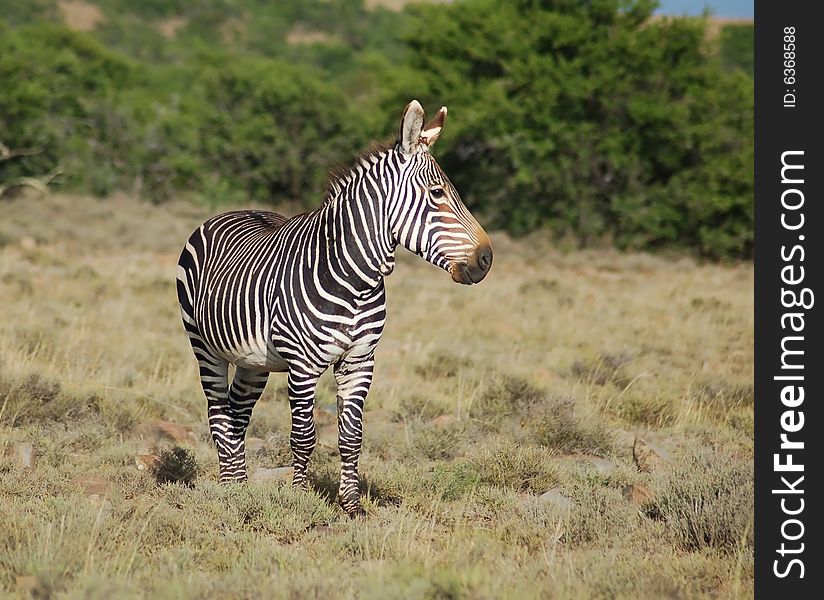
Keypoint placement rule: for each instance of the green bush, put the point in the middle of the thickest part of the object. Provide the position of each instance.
(53, 80)
(591, 119)
(587, 119)
(737, 47)
(272, 129)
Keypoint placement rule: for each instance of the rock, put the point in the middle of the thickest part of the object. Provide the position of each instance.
(146, 462)
(94, 486)
(278, 474)
(648, 458)
(32, 586)
(161, 430)
(556, 498)
(253, 444)
(638, 494)
(24, 454)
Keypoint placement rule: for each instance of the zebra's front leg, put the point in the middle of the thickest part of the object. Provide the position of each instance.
(353, 379)
(303, 437)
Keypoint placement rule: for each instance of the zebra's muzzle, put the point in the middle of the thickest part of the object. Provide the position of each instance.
(474, 270)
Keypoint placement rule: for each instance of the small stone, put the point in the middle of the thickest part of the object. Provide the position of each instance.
(638, 494)
(648, 458)
(146, 462)
(281, 474)
(93, 485)
(161, 430)
(25, 455)
(556, 498)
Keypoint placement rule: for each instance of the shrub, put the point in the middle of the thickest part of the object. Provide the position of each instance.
(456, 479)
(418, 408)
(556, 425)
(273, 130)
(520, 468)
(442, 365)
(176, 465)
(506, 397)
(39, 400)
(593, 119)
(437, 442)
(707, 502)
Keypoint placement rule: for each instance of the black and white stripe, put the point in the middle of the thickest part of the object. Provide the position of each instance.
(270, 294)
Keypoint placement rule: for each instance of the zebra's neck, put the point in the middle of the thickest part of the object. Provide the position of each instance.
(360, 247)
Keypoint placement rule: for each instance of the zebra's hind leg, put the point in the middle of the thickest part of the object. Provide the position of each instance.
(303, 437)
(247, 387)
(229, 411)
(353, 379)
(214, 378)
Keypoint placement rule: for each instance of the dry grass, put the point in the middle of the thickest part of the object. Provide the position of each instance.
(484, 399)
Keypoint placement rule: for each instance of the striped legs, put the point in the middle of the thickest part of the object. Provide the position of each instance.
(229, 412)
(303, 436)
(247, 387)
(353, 381)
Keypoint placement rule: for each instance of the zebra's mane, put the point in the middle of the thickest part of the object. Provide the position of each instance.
(339, 176)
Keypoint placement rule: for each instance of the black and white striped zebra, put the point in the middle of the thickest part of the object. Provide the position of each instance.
(271, 294)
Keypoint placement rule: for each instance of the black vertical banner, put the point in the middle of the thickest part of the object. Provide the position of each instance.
(789, 367)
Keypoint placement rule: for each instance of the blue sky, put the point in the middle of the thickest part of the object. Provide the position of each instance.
(719, 8)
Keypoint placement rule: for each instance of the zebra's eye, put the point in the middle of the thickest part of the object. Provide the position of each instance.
(437, 193)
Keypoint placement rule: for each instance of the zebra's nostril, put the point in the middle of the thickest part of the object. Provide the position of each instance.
(484, 257)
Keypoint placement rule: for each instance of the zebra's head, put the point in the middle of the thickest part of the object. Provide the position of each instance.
(428, 216)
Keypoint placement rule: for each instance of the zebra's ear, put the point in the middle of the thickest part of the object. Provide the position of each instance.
(411, 127)
(432, 130)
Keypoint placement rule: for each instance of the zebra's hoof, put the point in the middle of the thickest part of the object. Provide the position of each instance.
(356, 513)
(352, 506)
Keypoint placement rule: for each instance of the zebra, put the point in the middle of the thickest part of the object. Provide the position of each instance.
(267, 293)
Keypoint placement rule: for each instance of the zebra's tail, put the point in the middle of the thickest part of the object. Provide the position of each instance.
(188, 271)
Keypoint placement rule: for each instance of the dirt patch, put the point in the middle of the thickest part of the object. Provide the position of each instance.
(168, 28)
(80, 16)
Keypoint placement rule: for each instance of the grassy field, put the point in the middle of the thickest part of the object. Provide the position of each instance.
(499, 433)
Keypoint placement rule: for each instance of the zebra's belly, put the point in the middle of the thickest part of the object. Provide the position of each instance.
(258, 357)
